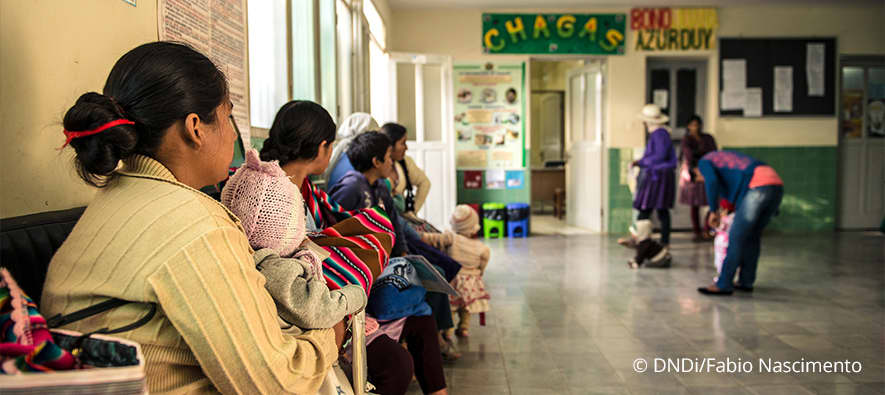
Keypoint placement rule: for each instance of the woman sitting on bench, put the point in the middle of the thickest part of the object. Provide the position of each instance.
(151, 237)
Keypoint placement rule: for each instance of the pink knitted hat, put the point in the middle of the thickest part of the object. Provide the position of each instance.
(464, 220)
(267, 203)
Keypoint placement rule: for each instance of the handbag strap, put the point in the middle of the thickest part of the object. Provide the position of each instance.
(409, 193)
(62, 320)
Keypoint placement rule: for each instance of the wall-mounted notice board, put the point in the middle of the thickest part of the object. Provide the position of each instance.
(777, 76)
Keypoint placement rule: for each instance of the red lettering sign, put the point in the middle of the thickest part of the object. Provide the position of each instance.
(650, 18)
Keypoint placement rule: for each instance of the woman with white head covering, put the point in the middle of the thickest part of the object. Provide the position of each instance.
(656, 189)
(339, 164)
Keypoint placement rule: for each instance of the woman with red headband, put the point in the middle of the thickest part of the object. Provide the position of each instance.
(150, 237)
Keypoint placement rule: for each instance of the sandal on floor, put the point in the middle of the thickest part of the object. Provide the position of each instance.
(713, 290)
(462, 333)
(449, 351)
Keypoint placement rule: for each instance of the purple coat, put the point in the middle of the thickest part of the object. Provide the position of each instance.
(657, 181)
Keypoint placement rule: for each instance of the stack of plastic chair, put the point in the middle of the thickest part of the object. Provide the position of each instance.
(494, 217)
(518, 219)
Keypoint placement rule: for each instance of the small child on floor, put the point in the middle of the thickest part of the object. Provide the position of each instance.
(648, 252)
(720, 242)
(473, 256)
(271, 210)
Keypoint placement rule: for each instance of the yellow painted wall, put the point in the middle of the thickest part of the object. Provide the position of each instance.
(51, 52)
(859, 30)
(551, 75)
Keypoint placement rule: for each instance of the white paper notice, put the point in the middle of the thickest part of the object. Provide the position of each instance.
(733, 100)
(216, 28)
(495, 179)
(661, 98)
(753, 104)
(814, 69)
(783, 88)
(734, 75)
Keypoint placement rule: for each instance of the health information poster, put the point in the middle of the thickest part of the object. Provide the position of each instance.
(489, 115)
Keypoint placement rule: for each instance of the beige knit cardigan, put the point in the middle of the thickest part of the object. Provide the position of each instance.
(149, 238)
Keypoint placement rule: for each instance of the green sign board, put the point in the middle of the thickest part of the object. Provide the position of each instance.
(593, 34)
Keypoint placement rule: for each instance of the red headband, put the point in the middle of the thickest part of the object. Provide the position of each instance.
(72, 135)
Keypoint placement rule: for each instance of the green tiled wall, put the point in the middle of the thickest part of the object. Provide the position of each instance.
(495, 195)
(620, 201)
(809, 175)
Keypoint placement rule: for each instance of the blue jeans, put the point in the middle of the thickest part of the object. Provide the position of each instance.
(745, 235)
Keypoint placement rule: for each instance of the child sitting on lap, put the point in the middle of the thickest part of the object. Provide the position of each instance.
(271, 210)
(473, 256)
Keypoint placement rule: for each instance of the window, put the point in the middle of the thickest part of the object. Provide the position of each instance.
(379, 73)
(379, 100)
(268, 74)
(345, 58)
(328, 58)
(293, 54)
(304, 64)
(377, 28)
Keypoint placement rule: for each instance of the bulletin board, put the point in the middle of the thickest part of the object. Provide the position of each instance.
(796, 76)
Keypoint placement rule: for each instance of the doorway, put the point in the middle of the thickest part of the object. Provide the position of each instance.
(547, 85)
(679, 87)
(567, 149)
(419, 96)
(862, 143)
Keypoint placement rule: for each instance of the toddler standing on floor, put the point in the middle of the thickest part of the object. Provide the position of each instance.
(473, 256)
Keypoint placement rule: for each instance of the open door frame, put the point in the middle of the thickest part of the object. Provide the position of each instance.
(444, 187)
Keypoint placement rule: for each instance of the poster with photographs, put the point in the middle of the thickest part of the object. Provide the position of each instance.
(489, 115)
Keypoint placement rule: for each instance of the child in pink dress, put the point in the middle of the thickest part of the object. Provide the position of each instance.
(720, 242)
(473, 256)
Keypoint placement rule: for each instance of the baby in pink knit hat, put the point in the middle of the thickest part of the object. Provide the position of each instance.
(271, 210)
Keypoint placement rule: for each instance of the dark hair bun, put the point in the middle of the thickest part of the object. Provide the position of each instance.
(298, 130)
(99, 154)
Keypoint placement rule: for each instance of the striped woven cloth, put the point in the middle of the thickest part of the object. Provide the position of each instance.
(25, 342)
(358, 246)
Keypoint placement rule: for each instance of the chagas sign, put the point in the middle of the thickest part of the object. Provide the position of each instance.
(597, 34)
(674, 29)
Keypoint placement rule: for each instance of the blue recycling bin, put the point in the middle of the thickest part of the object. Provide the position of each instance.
(518, 220)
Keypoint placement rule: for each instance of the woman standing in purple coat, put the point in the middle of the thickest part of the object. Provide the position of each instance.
(656, 188)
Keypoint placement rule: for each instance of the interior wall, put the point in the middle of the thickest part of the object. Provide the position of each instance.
(51, 52)
(858, 29)
(552, 75)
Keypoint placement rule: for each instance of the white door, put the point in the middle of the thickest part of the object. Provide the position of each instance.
(584, 170)
(420, 98)
(862, 145)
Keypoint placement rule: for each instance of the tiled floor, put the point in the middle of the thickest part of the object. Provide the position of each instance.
(569, 317)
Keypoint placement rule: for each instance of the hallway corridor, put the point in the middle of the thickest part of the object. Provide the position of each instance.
(568, 316)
